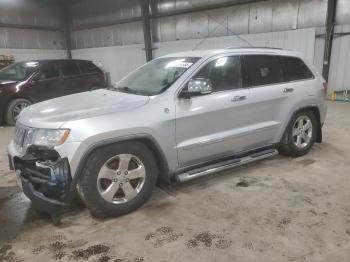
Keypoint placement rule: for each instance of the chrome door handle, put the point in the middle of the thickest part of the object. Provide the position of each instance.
(238, 98)
(288, 90)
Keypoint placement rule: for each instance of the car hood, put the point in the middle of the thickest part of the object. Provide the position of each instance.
(55, 112)
(4, 82)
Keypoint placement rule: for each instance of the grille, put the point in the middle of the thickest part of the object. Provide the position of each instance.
(22, 137)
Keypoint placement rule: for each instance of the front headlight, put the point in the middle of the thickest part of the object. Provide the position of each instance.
(50, 137)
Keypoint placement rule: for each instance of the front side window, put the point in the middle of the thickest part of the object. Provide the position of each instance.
(224, 73)
(295, 69)
(156, 76)
(70, 68)
(18, 71)
(262, 70)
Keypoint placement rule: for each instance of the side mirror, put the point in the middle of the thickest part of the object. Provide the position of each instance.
(199, 86)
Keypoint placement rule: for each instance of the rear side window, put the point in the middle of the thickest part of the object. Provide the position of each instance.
(295, 69)
(87, 67)
(224, 73)
(262, 70)
(70, 68)
(51, 70)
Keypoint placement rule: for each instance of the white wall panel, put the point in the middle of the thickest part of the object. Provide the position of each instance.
(31, 54)
(117, 60)
(302, 40)
(339, 77)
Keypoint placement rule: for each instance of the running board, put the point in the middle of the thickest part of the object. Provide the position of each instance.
(214, 168)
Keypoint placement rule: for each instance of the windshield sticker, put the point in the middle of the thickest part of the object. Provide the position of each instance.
(179, 63)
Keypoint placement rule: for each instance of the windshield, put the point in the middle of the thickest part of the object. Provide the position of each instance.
(156, 76)
(18, 71)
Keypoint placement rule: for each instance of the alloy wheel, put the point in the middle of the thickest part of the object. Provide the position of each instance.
(18, 108)
(121, 178)
(302, 132)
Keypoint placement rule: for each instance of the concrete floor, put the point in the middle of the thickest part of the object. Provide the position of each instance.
(292, 210)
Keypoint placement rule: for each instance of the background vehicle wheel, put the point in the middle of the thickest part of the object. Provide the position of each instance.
(14, 108)
(118, 179)
(300, 134)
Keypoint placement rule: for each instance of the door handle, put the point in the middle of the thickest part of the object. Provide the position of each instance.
(238, 98)
(288, 90)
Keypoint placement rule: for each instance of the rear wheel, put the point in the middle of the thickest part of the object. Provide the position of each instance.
(14, 108)
(118, 179)
(300, 134)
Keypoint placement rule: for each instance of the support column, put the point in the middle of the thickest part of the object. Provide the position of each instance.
(147, 33)
(330, 23)
(67, 23)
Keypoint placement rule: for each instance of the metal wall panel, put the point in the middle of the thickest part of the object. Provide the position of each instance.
(27, 38)
(343, 12)
(91, 12)
(30, 54)
(285, 15)
(312, 13)
(339, 77)
(260, 17)
(123, 34)
(31, 12)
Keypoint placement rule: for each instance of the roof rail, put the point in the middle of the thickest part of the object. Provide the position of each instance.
(253, 47)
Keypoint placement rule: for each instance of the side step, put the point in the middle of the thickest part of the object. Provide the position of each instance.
(214, 168)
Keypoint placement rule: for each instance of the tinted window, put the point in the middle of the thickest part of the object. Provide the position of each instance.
(50, 71)
(88, 67)
(156, 76)
(224, 73)
(262, 70)
(295, 69)
(70, 69)
(18, 71)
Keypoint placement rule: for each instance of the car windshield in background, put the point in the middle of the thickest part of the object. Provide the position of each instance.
(18, 71)
(156, 76)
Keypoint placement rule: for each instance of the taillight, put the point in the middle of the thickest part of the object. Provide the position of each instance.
(104, 74)
(325, 87)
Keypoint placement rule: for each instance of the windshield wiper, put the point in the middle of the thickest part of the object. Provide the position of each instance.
(128, 90)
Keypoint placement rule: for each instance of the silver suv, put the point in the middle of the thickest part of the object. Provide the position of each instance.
(178, 117)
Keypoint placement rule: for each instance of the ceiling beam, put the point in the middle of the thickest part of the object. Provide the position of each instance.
(33, 27)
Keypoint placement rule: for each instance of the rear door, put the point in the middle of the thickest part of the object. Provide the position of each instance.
(270, 97)
(93, 76)
(213, 125)
(73, 81)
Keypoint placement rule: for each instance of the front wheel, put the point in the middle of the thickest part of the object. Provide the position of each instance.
(300, 134)
(14, 109)
(118, 179)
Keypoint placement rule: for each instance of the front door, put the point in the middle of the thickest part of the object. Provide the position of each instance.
(48, 83)
(214, 125)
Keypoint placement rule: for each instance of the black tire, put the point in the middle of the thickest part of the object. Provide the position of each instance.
(10, 118)
(287, 145)
(88, 189)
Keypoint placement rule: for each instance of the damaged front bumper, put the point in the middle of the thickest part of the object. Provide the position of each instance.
(45, 179)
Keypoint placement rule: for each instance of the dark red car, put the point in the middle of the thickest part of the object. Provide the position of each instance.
(25, 83)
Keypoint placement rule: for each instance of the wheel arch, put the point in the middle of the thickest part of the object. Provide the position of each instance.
(315, 110)
(148, 141)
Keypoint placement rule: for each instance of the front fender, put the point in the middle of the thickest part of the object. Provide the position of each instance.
(78, 165)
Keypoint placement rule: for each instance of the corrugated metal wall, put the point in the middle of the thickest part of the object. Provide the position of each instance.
(339, 75)
(31, 39)
(27, 44)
